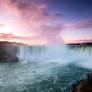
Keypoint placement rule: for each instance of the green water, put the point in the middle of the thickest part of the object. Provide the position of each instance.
(36, 78)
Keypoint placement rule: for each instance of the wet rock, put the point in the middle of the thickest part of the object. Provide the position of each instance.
(83, 85)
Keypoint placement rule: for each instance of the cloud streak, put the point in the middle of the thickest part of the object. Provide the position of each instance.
(27, 40)
(84, 23)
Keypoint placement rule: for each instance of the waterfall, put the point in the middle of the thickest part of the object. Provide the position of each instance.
(84, 53)
(31, 53)
(56, 53)
(60, 54)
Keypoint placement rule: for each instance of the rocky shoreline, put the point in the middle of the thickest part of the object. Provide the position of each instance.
(84, 85)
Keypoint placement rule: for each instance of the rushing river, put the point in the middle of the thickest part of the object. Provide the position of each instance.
(45, 69)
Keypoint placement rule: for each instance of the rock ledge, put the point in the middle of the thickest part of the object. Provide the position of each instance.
(83, 85)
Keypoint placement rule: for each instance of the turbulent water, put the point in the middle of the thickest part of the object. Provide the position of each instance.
(45, 69)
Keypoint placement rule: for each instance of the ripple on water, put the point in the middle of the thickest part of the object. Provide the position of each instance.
(48, 77)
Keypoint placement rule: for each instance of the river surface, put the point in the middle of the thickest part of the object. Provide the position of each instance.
(45, 69)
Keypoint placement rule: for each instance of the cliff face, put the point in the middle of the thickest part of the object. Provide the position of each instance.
(8, 52)
(84, 85)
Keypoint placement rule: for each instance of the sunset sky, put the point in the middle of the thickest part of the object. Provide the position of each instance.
(39, 22)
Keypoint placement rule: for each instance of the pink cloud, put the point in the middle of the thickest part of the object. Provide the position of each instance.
(26, 40)
(33, 16)
(13, 37)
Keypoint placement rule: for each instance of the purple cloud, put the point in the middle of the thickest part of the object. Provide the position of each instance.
(85, 23)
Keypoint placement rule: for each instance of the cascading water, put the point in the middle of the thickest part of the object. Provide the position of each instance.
(85, 54)
(30, 53)
(58, 53)
(44, 69)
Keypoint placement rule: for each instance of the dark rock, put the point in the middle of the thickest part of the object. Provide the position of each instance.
(83, 85)
(8, 52)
